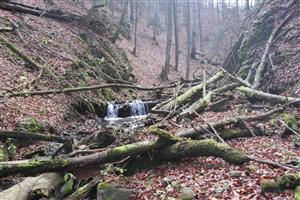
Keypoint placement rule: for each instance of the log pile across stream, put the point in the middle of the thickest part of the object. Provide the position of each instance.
(187, 143)
(53, 174)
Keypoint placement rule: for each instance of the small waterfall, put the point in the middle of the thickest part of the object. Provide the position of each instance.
(138, 108)
(112, 111)
(129, 109)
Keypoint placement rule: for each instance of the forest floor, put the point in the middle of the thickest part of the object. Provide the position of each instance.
(210, 178)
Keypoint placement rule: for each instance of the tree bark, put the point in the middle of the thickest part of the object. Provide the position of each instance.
(121, 23)
(81, 89)
(166, 67)
(196, 131)
(135, 28)
(256, 94)
(179, 150)
(191, 93)
(32, 136)
(176, 34)
(188, 40)
(59, 15)
(202, 103)
(33, 187)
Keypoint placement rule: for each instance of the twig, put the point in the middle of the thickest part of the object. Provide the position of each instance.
(284, 124)
(214, 130)
(246, 125)
(268, 162)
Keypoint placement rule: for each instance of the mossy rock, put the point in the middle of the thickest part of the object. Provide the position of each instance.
(3, 154)
(30, 125)
(269, 186)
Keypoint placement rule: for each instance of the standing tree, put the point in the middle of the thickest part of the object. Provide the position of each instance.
(200, 25)
(121, 23)
(176, 34)
(156, 18)
(131, 12)
(165, 69)
(135, 27)
(247, 7)
(188, 39)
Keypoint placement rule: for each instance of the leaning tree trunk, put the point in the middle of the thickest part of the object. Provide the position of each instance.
(191, 93)
(121, 23)
(165, 69)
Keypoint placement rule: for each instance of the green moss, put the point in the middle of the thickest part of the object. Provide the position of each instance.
(297, 193)
(290, 120)
(270, 186)
(103, 186)
(108, 94)
(3, 154)
(289, 181)
(31, 125)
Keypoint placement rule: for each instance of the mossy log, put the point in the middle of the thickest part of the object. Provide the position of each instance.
(287, 181)
(191, 93)
(33, 136)
(202, 103)
(259, 95)
(197, 131)
(179, 150)
(33, 187)
(17, 51)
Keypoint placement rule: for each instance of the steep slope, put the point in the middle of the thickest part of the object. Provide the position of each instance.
(74, 53)
(282, 72)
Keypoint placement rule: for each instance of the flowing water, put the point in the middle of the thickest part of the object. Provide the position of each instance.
(127, 112)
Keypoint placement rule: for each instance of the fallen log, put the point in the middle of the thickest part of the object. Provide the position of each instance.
(33, 187)
(196, 131)
(82, 89)
(17, 51)
(54, 14)
(33, 136)
(256, 94)
(191, 93)
(179, 150)
(201, 104)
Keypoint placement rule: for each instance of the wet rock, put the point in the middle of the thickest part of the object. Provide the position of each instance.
(187, 194)
(106, 191)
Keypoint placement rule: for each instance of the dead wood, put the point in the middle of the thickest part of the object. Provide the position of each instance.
(201, 104)
(81, 89)
(191, 93)
(259, 95)
(194, 132)
(178, 150)
(42, 186)
(54, 14)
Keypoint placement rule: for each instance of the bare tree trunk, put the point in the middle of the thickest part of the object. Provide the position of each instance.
(155, 20)
(131, 12)
(176, 34)
(165, 69)
(121, 23)
(194, 48)
(200, 25)
(247, 8)
(135, 27)
(188, 40)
